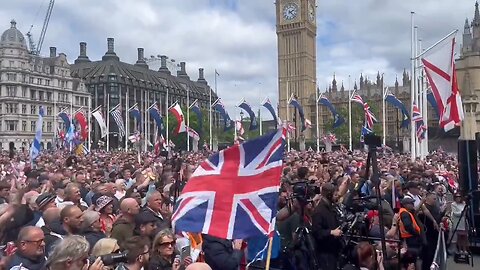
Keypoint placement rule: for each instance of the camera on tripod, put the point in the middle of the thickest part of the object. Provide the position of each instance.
(304, 191)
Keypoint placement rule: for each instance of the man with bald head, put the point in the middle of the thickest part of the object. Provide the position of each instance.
(123, 228)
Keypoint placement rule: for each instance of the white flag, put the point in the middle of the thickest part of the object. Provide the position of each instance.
(101, 122)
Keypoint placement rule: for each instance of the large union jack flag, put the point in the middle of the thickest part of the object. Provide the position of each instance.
(234, 193)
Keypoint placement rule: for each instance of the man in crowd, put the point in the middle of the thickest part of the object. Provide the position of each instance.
(125, 224)
(30, 252)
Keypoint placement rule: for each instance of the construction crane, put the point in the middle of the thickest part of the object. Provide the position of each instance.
(36, 49)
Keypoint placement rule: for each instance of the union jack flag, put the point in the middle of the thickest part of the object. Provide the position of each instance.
(233, 194)
(419, 124)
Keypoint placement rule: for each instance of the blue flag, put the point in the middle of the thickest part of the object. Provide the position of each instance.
(268, 105)
(433, 102)
(196, 109)
(294, 102)
(338, 119)
(35, 147)
(65, 119)
(253, 119)
(135, 112)
(394, 101)
(223, 113)
(155, 114)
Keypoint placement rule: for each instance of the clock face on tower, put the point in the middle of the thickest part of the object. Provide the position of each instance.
(290, 11)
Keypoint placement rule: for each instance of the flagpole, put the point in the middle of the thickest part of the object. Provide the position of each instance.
(188, 117)
(317, 120)
(127, 131)
(384, 124)
(210, 121)
(412, 86)
(415, 76)
(108, 122)
(350, 115)
(288, 112)
(166, 120)
(89, 123)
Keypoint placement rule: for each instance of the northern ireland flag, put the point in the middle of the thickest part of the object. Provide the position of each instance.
(439, 64)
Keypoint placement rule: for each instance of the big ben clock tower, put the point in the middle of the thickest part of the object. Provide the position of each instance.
(296, 36)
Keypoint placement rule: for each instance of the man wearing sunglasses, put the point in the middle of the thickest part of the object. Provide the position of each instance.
(30, 252)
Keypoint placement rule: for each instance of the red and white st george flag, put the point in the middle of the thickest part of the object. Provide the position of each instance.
(439, 64)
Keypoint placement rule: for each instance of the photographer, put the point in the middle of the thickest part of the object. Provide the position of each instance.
(326, 231)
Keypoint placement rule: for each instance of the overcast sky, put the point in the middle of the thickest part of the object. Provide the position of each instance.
(237, 37)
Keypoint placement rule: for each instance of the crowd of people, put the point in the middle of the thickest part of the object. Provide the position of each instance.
(112, 210)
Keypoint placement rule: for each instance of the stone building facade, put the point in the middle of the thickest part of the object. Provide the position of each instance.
(27, 82)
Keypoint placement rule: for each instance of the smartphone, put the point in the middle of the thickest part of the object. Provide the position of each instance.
(185, 252)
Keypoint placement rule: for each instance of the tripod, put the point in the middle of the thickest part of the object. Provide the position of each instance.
(304, 246)
(467, 209)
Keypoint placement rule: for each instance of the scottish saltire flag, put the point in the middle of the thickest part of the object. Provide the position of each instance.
(419, 124)
(338, 119)
(117, 116)
(294, 102)
(233, 194)
(394, 101)
(253, 119)
(268, 105)
(66, 119)
(135, 112)
(196, 109)
(155, 114)
(218, 106)
(433, 103)
(35, 147)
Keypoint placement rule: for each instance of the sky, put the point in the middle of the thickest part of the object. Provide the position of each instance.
(238, 38)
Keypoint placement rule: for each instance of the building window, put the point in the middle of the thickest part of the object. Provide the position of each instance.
(47, 82)
(24, 125)
(49, 110)
(33, 109)
(12, 77)
(24, 109)
(49, 126)
(11, 91)
(11, 125)
(32, 125)
(33, 94)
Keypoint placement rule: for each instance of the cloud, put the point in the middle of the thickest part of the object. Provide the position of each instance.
(237, 37)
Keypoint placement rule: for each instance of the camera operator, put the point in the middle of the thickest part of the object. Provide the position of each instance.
(326, 229)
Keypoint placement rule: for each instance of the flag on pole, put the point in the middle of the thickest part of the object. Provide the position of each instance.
(117, 116)
(294, 102)
(220, 108)
(253, 119)
(82, 121)
(135, 113)
(66, 119)
(433, 103)
(268, 105)
(439, 65)
(97, 114)
(196, 109)
(35, 147)
(419, 124)
(178, 114)
(338, 119)
(233, 194)
(394, 101)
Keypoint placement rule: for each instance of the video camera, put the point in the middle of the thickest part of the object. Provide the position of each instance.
(112, 258)
(304, 190)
